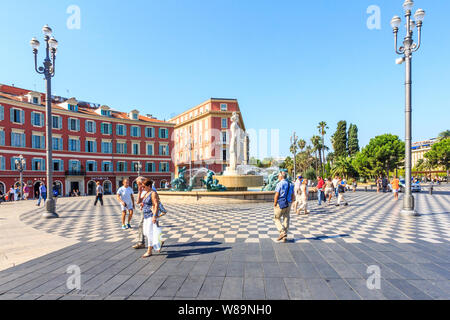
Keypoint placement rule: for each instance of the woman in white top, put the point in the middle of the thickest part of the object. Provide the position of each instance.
(304, 197)
(126, 200)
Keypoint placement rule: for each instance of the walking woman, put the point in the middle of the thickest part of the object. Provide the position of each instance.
(304, 197)
(150, 210)
(329, 190)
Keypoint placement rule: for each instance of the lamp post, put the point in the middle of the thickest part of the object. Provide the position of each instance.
(20, 166)
(48, 70)
(294, 141)
(189, 147)
(406, 52)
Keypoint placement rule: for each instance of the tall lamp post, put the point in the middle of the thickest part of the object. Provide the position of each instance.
(139, 167)
(406, 52)
(20, 166)
(48, 70)
(294, 141)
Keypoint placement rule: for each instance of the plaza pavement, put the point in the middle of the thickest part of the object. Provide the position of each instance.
(229, 251)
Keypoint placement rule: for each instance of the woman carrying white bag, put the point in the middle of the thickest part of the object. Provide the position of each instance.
(152, 231)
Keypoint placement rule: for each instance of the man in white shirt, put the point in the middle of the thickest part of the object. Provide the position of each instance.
(126, 200)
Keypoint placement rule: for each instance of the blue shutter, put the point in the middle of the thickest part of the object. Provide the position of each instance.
(95, 166)
(2, 113)
(60, 122)
(2, 138)
(68, 124)
(13, 165)
(95, 146)
(86, 125)
(42, 142)
(86, 148)
(125, 149)
(2, 163)
(78, 124)
(42, 119)
(22, 117)
(110, 128)
(32, 118)
(11, 115)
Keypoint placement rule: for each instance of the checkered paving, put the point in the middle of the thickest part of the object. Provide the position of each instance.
(369, 217)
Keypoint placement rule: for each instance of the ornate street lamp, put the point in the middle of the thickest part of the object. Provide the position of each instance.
(139, 168)
(406, 52)
(20, 166)
(48, 70)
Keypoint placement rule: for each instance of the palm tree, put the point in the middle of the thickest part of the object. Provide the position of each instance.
(315, 140)
(322, 127)
(301, 144)
(343, 167)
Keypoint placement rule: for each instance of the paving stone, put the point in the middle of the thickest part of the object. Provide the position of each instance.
(232, 288)
(254, 289)
(149, 287)
(320, 290)
(191, 287)
(170, 286)
(343, 290)
(297, 289)
(431, 289)
(409, 290)
(129, 286)
(211, 288)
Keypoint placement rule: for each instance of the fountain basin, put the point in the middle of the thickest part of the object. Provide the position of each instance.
(240, 182)
(234, 197)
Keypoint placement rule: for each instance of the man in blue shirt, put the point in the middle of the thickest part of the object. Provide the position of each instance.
(284, 197)
(42, 194)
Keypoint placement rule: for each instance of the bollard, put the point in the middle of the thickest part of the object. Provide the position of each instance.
(365, 188)
(431, 190)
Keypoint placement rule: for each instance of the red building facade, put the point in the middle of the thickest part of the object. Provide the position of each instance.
(90, 143)
(202, 135)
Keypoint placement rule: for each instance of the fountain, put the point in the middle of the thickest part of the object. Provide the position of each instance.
(232, 179)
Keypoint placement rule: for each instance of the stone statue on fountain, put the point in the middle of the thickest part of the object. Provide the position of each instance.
(237, 141)
(213, 184)
(180, 183)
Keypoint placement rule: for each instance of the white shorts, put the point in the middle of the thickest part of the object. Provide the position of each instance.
(395, 190)
(129, 206)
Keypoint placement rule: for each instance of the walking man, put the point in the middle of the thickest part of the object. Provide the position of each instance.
(320, 187)
(140, 240)
(126, 200)
(335, 185)
(395, 187)
(42, 194)
(282, 207)
(341, 191)
(99, 196)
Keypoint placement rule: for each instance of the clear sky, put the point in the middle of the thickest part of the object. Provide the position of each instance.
(291, 64)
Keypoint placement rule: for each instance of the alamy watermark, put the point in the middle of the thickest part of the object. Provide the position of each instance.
(74, 20)
(374, 19)
(74, 280)
(374, 280)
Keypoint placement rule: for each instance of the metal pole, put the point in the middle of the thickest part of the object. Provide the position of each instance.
(50, 203)
(408, 199)
(21, 182)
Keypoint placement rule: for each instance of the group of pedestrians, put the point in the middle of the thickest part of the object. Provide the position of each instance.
(149, 210)
(288, 196)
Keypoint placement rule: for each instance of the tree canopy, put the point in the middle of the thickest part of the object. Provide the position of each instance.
(353, 142)
(340, 140)
(439, 155)
(383, 153)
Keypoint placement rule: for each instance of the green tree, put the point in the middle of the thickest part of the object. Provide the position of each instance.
(301, 144)
(343, 167)
(384, 153)
(359, 162)
(439, 155)
(340, 140)
(322, 130)
(353, 142)
(316, 148)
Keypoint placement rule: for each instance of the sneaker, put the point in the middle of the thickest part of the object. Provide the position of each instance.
(129, 226)
(124, 227)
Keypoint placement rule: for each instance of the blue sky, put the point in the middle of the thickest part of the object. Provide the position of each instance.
(291, 64)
